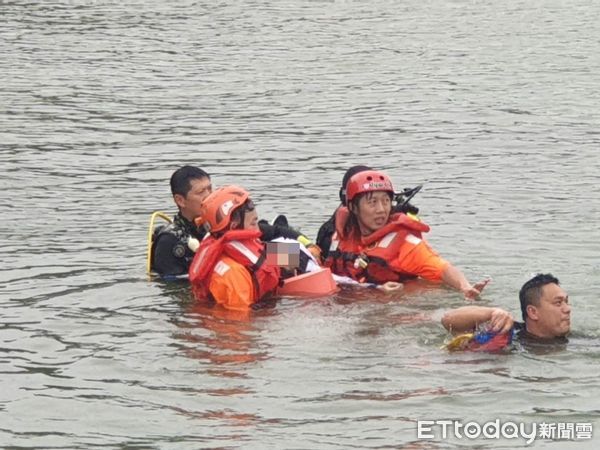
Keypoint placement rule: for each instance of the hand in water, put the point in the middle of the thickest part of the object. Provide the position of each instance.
(473, 292)
(501, 321)
(390, 286)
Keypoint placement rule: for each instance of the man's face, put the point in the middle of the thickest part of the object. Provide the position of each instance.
(553, 314)
(190, 204)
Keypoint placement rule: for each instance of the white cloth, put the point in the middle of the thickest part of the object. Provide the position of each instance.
(312, 265)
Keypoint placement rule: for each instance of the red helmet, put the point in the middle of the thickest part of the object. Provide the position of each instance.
(217, 208)
(368, 181)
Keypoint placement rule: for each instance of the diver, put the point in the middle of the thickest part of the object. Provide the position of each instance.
(173, 245)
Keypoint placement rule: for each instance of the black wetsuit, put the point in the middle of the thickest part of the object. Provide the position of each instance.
(171, 254)
(521, 335)
(325, 234)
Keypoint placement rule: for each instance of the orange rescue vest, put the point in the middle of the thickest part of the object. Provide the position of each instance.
(244, 247)
(368, 258)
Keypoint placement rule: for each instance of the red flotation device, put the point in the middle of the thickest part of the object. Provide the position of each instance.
(319, 283)
(480, 341)
(495, 343)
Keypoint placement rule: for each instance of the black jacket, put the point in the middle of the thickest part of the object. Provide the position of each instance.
(171, 254)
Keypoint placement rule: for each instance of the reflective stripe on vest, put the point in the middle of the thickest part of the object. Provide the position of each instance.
(244, 251)
(387, 239)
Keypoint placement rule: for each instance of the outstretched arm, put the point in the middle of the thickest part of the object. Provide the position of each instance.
(418, 258)
(468, 318)
(455, 278)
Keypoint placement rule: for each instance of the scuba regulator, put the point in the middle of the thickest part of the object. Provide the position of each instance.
(403, 199)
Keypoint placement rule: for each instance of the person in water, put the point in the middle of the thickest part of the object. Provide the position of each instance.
(373, 244)
(174, 245)
(327, 230)
(232, 265)
(545, 310)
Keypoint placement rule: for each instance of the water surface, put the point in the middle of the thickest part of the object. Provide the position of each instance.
(492, 106)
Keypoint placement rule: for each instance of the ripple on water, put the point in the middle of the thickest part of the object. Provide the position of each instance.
(491, 106)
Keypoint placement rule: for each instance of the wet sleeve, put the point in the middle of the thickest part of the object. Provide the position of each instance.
(164, 261)
(231, 286)
(418, 258)
(324, 236)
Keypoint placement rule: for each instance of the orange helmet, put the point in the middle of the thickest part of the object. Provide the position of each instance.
(368, 181)
(217, 208)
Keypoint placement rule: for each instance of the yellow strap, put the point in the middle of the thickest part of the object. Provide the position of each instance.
(304, 240)
(458, 342)
(155, 214)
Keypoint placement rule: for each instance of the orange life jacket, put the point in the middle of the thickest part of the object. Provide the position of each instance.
(368, 258)
(244, 247)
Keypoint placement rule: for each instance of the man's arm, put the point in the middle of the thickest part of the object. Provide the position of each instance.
(165, 262)
(468, 318)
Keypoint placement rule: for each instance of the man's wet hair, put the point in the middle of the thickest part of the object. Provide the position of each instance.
(182, 178)
(531, 292)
